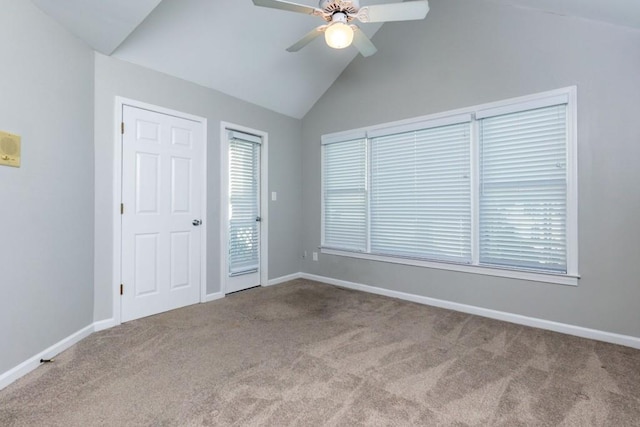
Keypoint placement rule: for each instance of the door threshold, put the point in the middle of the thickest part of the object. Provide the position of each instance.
(242, 290)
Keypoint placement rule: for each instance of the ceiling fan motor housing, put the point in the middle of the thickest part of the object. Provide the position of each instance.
(334, 6)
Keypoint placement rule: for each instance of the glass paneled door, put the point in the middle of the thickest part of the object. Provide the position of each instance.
(243, 259)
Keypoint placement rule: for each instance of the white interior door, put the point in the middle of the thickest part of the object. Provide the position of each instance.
(244, 213)
(161, 196)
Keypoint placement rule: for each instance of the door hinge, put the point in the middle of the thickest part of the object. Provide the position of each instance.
(121, 289)
(121, 208)
(122, 128)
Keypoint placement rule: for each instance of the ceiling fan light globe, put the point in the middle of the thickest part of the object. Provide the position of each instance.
(338, 35)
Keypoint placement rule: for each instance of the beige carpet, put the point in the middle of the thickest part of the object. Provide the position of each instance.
(309, 354)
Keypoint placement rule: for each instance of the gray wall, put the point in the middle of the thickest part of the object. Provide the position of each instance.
(468, 52)
(46, 206)
(118, 78)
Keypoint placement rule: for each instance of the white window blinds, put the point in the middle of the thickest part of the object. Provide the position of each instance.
(244, 196)
(345, 195)
(421, 194)
(523, 189)
(490, 189)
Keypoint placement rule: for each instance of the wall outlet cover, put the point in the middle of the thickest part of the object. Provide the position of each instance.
(10, 149)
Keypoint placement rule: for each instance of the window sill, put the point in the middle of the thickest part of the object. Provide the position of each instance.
(559, 279)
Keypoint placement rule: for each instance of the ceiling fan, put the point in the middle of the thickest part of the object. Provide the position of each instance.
(339, 32)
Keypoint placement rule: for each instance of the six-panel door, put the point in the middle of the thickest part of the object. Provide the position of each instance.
(161, 193)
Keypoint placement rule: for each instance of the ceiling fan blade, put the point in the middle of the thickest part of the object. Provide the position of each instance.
(362, 42)
(407, 11)
(311, 35)
(291, 7)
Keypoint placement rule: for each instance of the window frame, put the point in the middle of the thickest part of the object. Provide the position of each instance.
(566, 95)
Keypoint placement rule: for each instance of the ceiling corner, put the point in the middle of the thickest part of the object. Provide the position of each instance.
(102, 24)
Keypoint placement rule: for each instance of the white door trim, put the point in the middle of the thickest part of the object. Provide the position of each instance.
(264, 202)
(120, 102)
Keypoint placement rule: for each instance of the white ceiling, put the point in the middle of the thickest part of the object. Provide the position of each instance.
(103, 24)
(239, 49)
(625, 13)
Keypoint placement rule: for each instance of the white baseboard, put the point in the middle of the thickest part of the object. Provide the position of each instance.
(283, 279)
(214, 296)
(564, 328)
(30, 364)
(101, 325)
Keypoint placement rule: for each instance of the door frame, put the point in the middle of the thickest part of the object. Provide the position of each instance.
(120, 102)
(224, 197)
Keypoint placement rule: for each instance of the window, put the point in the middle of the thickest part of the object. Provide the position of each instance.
(421, 193)
(244, 203)
(523, 189)
(489, 189)
(345, 200)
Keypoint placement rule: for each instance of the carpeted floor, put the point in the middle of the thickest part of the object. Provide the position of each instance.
(304, 353)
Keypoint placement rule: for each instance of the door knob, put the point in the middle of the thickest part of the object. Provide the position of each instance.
(196, 222)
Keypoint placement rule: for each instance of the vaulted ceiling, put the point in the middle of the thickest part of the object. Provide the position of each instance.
(239, 49)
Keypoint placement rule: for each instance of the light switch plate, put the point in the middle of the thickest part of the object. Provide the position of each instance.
(9, 149)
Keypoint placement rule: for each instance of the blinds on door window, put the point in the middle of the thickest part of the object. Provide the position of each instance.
(421, 194)
(345, 195)
(523, 189)
(244, 208)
